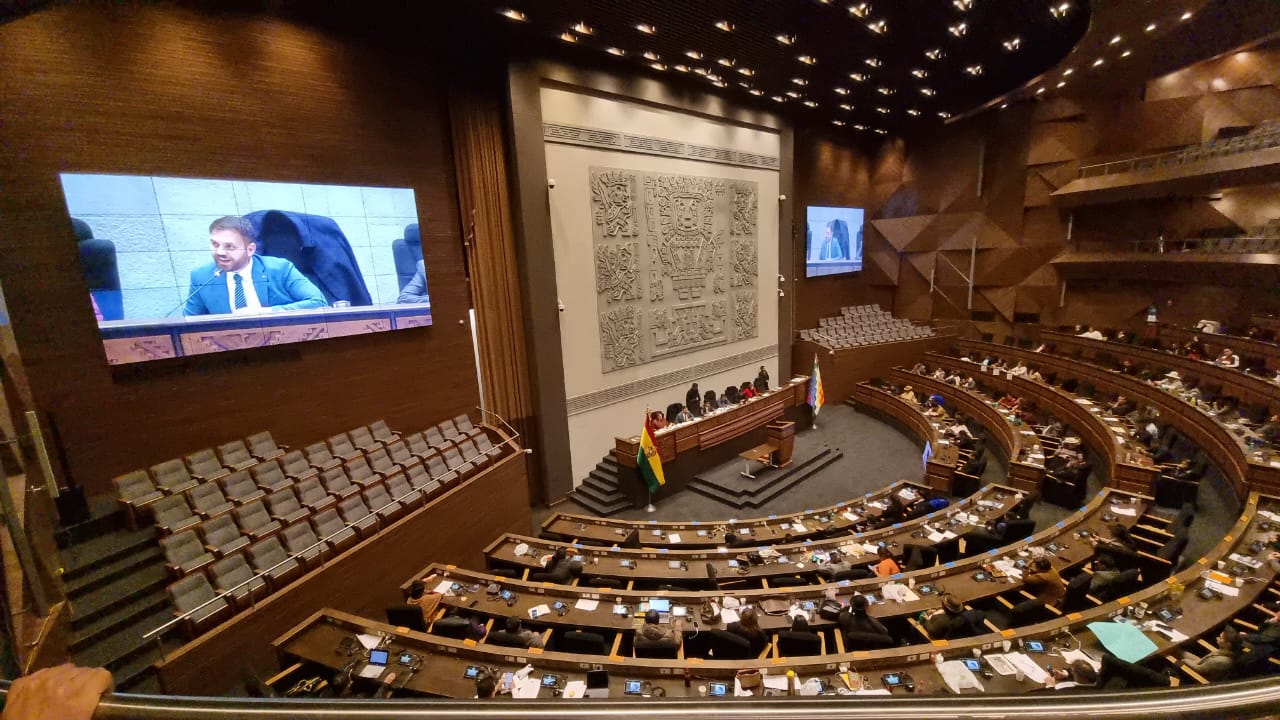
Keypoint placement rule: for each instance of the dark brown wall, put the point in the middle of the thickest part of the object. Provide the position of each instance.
(164, 91)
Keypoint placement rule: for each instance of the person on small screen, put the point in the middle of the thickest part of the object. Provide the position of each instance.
(240, 281)
(415, 291)
(836, 244)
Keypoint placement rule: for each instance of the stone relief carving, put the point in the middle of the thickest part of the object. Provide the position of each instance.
(613, 197)
(616, 274)
(698, 242)
(620, 337)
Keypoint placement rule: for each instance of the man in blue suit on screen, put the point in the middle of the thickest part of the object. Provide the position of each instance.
(241, 282)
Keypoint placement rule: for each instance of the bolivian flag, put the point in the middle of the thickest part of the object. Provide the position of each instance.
(816, 396)
(648, 459)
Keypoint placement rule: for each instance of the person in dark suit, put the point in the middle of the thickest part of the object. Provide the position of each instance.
(415, 291)
(240, 281)
(693, 400)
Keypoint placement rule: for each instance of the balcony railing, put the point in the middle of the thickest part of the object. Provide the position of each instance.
(1266, 135)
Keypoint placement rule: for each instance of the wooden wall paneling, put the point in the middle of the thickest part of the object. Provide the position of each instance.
(453, 528)
(157, 90)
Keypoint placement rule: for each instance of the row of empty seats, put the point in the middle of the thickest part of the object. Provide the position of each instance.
(860, 325)
(1264, 135)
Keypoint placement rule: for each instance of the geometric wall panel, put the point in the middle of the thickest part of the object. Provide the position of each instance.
(902, 232)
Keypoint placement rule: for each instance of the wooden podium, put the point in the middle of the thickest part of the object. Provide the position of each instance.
(782, 435)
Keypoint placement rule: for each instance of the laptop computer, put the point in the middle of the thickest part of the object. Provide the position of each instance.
(663, 606)
(597, 684)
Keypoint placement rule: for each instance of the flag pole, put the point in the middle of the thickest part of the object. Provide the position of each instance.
(648, 491)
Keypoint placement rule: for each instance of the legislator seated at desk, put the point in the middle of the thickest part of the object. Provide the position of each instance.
(240, 281)
(415, 291)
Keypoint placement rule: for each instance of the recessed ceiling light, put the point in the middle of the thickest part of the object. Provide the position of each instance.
(616, 51)
(718, 83)
(934, 53)
(857, 77)
(1060, 10)
(724, 25)
(512, 14)
(693, 54)
(756, 91)
(1004, 105)
(1012, 44)
(680, 68)
(746, 71)
(884, 90)
(1062, 84)
(800, 81)
(568, 37)
(582, 29)
(878, 27)
(1040, 91)
(807, 59)
(744, 84)
(920, 73)
(777, 98)
(793, 94)
(963, 5)
(1098, 62)
(1067, 72)
(838, 122)
(650, 55)
(1151, 27)
(785, 39)
(726, 62)
(927, 91)
(913, 112)
(944, 114)
(959, 29)
(974, 70)
(646, 28)
(860, 127)
(1185, 16)
(842, 91)
(657, 66)
(810, 103)
(846, 106)
(873, 62)
(1126, 53)
(1115, 40)
(882, 110)
(881, 131)
(861, 9)
(700, 71)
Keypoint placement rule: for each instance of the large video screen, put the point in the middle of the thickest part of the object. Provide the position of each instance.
(186, 266)
(833, 240)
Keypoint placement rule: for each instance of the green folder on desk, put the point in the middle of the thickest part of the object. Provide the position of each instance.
(1123, 640)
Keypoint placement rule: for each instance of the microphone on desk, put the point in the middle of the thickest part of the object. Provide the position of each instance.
(216, 274)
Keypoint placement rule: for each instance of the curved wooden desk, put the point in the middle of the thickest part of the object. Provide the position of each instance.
(1228, 452)
(1128, 465)
(694, 534)
(1213, 343)
(941, 467)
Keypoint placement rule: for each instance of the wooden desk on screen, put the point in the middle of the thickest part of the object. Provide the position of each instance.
(689, 448)
(941, 468)
(129, 341)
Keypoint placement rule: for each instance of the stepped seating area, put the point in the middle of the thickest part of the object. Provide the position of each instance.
(248, 520)
(862, 325)
(1260, 137)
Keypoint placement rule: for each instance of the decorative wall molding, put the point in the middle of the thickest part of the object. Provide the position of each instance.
(600, 398)
(608, 139)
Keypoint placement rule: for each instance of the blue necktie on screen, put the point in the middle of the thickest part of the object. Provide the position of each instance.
(240, 299)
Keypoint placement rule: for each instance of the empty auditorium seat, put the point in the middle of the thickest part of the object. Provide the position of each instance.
(270, 477)
(363, 440)
(342, 448)
(382, 463)
(359, 472)
(435, 439)
(313, 495)
(487, 447)
(184, 553)
(381, 504)
(135, 492)
(171, 477)
(204, 465)
(418, 445)
(797, 644)
(470, 453)
(302, 544)
(233, 576)
(337, 484)
(398, 488)
(295, 466)
(239, 488)
(255, 522)
(452, 433)
(193, 594)
(319, 457)
(399, 453)
(420, 479)
(263, 447)
(235, 455)
(356, 514)
(269, 559)
(464, 426)
(222, 536)
(172, 514)
(284, 507)
(383, 433)
(453, 459)
(330, 528)
(208, 501)
(439, 471)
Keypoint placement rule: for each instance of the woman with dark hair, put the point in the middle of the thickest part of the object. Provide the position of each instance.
(748, 628)
(709, 403)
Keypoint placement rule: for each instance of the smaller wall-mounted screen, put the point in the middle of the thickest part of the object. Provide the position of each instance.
(185, 266)
(833, 240)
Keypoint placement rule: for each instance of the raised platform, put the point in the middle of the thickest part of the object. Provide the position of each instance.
(727, 484)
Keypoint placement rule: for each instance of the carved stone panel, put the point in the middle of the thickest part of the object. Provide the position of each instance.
(670, 294)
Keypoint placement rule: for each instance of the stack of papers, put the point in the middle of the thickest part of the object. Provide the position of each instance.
(1124, 510)
(851, 517)
(674, 537)
(574, 689)
(586, 604)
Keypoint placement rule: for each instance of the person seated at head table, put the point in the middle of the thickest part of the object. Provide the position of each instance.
(724, 401)
(908, 395)
(657, 420)
(251, 282)
(1011, 403)
(1217, 665)
(746, 390)
(693, 399)
(1228, 359)
(709, 403)
(415, 291)
(1045, 583)
(762, 381)
(653, 631)
(684, 416)
(748, 628)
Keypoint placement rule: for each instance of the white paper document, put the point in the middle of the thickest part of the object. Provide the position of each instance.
(586, 604)
(957, 677)
(674, 537)
(999, 664)
(850, 517)
(1227, 590)
(369, 642)
(775, 682)
(1034, 672)
(729, 616)
(574, 689)
(799, 527)
(1124, 510)
(539, 611)
(1070, 656)
(443, 588)
(526, 687)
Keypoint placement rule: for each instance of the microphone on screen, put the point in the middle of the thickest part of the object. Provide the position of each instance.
(216, 274)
